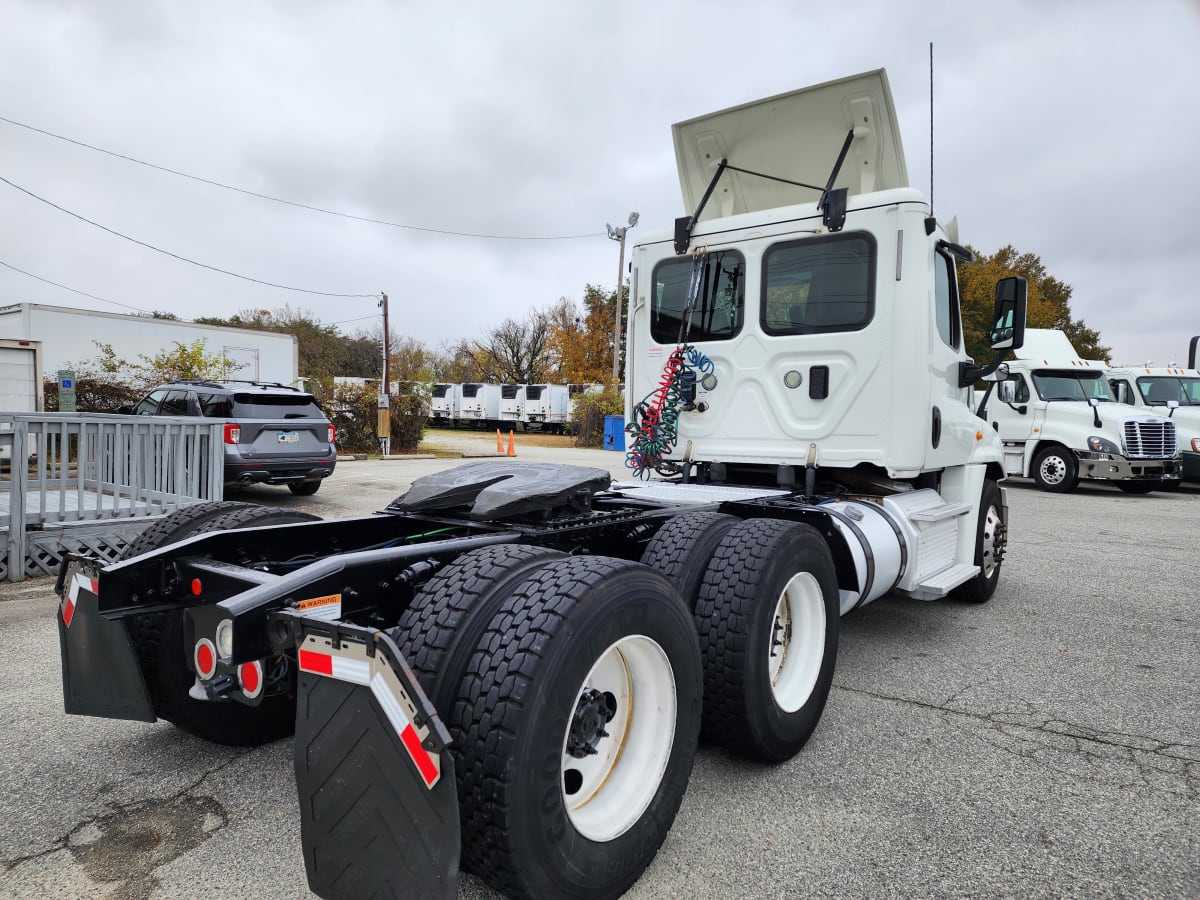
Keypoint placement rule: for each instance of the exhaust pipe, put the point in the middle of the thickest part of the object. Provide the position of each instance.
(245, 479)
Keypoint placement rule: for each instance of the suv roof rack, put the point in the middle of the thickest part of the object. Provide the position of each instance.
(224, 382)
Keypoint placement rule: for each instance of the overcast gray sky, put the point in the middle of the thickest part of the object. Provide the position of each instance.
(1068, 129)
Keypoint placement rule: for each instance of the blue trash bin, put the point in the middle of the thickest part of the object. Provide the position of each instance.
(614, 433)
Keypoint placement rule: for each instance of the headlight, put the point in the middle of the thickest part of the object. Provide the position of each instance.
(1196, 445)
(1102, 445)
(225, 638)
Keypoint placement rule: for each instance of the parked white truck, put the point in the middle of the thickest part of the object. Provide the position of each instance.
(1172, 391)
(20, 375)
(515, 660)
(546, 407)
(69, 337)
(1063, 423)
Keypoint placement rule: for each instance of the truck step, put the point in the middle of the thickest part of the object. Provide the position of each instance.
(941, 513)
(944, 582)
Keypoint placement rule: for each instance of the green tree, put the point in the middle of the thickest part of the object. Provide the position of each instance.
(1049, 301)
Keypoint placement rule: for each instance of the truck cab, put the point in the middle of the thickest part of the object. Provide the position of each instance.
(1171, 391)
(1064, 423)
(836, 344)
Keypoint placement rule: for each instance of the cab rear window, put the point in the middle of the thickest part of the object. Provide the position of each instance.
(819, 285)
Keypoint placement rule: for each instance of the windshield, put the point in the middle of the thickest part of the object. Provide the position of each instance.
(1159, 389)
(1073, 386)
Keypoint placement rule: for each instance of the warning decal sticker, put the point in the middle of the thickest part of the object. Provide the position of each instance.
(328, 608)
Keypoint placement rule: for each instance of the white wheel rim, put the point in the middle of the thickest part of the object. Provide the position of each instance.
(991, 541)
(1054, 470)
(606, 792)
(797, 644)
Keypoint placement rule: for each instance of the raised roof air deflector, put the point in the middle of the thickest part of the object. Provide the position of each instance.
(796, 136)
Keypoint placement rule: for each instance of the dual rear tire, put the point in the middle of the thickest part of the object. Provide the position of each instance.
(571, 687)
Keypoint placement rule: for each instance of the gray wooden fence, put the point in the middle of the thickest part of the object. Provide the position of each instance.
(90, 482)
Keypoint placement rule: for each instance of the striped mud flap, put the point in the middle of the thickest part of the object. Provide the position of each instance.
(378, 802)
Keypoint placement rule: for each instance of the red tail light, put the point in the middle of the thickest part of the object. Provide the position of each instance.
(251, 677)
(205, 658)
(332, 434)
(233, 433)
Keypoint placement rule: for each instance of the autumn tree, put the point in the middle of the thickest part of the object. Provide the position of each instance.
(579, 336)
(1049, 301)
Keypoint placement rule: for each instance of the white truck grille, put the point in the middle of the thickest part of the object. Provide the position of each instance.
(1147, 439)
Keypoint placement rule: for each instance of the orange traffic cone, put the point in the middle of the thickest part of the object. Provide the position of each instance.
(512, 447)
(499, 442)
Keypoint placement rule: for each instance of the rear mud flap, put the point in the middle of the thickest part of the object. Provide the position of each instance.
(101, 675)
(378, 801)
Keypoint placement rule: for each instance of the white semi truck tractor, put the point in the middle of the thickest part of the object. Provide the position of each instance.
(1064, 424)
(1172, 391)
(509, 668)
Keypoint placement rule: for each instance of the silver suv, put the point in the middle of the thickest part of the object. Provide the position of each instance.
(273, 433)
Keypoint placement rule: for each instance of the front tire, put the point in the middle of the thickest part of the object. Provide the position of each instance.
(767, 616)
(577, 726)
(990, 541)
(1055, 470)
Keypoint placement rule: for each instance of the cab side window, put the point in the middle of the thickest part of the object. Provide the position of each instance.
(946, 300)
(1020, 388)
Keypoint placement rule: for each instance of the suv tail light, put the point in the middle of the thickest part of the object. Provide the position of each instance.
(332, 434)
(233, 433)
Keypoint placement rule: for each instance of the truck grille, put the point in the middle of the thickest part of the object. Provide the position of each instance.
(1150, 440)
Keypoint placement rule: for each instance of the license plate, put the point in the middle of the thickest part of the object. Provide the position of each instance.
(289, 437)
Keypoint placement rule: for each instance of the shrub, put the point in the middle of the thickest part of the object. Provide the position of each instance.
(587, 421)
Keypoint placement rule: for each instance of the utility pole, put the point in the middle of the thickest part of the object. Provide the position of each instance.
(618, 234)
(384, 429)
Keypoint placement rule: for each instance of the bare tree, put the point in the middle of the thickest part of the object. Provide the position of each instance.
(516, 353)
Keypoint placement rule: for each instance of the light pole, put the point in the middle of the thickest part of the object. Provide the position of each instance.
(618, 234)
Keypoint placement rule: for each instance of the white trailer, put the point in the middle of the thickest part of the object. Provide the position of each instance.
(444, 403)
(512, 405)
(1063, 423)
(70, 336)
(480, 404)
(20, 375)
(546, 407)
(1168, 390)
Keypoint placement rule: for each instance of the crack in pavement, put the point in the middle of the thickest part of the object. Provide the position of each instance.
(1157, 763)
(77, 841)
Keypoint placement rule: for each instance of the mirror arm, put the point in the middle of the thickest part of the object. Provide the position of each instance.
(969, 373)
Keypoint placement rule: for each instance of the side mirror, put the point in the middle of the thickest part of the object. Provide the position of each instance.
(1006, 391)
(1172, 405)
(1092, 401)
(126, 409)
(1008, 332)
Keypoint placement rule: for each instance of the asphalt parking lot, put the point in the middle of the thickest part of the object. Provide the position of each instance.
(1044, 744)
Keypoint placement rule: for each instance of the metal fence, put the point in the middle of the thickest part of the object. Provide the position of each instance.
(91, 481)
